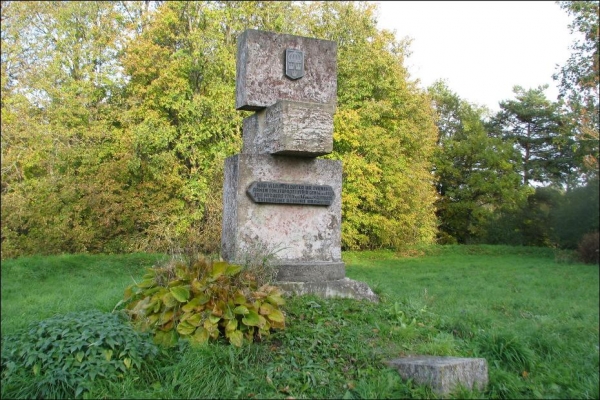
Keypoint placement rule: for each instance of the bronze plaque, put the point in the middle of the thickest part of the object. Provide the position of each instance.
(294, 63)
(290, 193)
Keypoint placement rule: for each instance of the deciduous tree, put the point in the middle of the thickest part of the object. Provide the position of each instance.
(476, 174)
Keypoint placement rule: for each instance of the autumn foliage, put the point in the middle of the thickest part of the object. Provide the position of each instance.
(117, 118)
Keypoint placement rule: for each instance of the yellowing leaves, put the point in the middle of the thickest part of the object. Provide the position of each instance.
(180, 293)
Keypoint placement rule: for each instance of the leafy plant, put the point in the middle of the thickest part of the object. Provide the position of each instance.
(203, 300)
(398, 317)
(64, 354)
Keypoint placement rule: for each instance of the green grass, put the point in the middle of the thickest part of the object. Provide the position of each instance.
(35, 288)
(533, 316)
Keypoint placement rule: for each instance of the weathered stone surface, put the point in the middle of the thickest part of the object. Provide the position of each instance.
(260, 70)
(310, 271)
(294, 234)
(290, 128)
(443, 374)
(344, 288)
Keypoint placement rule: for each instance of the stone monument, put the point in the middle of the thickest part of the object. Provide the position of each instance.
(278, 197)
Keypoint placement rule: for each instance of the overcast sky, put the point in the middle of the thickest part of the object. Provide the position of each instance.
(482, 49)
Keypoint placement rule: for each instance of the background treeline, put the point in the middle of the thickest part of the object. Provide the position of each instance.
(117, 118)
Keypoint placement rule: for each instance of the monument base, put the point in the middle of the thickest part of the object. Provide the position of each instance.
(345, 288)
(306, 232)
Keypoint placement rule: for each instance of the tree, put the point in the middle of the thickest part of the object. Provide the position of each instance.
(117, 117)
(538, 131)
(59, 75)
(580, 82)
(475, 172)
(384, 131)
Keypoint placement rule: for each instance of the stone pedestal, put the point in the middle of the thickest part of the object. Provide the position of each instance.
(302, 239)
(279, 201)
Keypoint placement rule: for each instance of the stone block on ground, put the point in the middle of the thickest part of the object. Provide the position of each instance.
(443, 374)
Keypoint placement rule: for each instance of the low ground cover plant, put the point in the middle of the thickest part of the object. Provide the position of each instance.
(60, 357)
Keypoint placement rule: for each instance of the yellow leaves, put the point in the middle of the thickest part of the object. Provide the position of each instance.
(236, 338)
(252, 319)
(217, 302)
(180, 293)
(276, 316)
(241, 310)
(192, 318)
(185, 328)
(219, 308)
(218, 269)
(266, 309)
(196, 303)
(212, 328)
(231, 325)
(200, 336)
(169, 300)
(107, 354)
(165, 317)
(239, 298)
(347, 131)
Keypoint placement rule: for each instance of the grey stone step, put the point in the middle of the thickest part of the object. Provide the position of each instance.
(443, 374)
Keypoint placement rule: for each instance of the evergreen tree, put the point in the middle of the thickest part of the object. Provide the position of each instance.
(536, 127)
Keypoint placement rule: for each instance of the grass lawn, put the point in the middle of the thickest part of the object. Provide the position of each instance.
(533, 317)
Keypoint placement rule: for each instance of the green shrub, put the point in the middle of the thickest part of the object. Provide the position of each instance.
(62, 355)
(577, 215)
(204, 300)
(588, 248)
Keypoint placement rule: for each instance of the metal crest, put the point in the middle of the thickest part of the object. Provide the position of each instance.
(294, 63)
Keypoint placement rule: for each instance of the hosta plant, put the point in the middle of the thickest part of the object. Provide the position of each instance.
(204, 300)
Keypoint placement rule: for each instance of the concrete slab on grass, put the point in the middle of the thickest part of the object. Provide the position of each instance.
(443, 374)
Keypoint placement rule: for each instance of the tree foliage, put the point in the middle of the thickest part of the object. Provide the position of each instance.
(384, 132)
(117, 117)
(579, 81)
(536, 127)
(475, 176)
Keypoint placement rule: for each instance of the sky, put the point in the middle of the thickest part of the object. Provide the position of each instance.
(482, 49)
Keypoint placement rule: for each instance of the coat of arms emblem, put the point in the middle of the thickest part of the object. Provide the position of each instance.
(294, 63)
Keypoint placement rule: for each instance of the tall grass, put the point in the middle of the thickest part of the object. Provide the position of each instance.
(534, 319)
